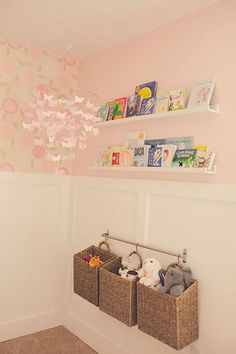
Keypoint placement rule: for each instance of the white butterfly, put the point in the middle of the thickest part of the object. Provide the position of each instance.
(79, 99)
(55, 158)
(89, 104)
(48, 97)
(88, 128)
(69, 143)
(27, 126)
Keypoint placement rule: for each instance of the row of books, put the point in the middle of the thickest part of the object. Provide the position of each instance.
(156, 155)
(147, 100)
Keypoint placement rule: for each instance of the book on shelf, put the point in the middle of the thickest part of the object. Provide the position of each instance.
(119, 108)
(154, 142)
(204, 159)
(104, 157)
(134, 138)
(110, 105)
(147, 106)
(201, 94)
(177, 99)
(200, 147)
(102, 113)
(162, 101)
(155, 156)
(140, 156)
(147, 90)
(184, 158)
(182, 142)
(168, 153)
(133, 105)
(126, 156)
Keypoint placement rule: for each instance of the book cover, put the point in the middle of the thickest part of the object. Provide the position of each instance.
(154, 142)
(182, 142)
(133, 104)
(147, 106)
(147, 90)
(201, 94)
(168, 153)
(119, 108)
(200, 147)
(176, 99)
(100, 156)
(139, 156)
(126, 155)
(204, 159)
(115, 158)
(155, 156)
(162, 101)
(102, 113)
(107, 158)
(184, 158)
(135, 138)
(110, 105)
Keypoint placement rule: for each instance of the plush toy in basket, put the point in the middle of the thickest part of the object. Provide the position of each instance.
(149, 274)
(176, 280)
(130, 266)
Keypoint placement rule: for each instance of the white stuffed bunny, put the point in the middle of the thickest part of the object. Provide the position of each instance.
(148, 274)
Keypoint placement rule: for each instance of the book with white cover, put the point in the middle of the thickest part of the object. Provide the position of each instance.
(201, 94)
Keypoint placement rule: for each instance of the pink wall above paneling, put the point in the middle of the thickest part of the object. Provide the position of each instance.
(195, 48)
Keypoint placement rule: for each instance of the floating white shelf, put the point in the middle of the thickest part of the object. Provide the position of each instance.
(155, 169)
(209, 110)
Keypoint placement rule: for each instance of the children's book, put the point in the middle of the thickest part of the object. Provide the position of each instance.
(139, 156)
(162, 101)
(102, 113)
(201, 94)
(204, 159)
(147, 106)
(154, 142)
(184, 158)
(168, 153)
(133, 105)
(119, 108)
(126, 156)
(155, 156)
(177, 98)
(147, 90)
(115, 158)
(107, 158)
(110, 105)
(135, 138)
(100, 157)
(182, 142)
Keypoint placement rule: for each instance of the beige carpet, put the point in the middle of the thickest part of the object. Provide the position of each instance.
(52, 341)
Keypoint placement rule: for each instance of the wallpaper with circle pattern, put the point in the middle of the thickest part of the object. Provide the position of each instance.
(22, 71)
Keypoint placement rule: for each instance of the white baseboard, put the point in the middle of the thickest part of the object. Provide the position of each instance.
(24, 326)
(97, 340)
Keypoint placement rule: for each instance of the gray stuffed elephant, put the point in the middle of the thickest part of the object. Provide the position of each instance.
(176, 280)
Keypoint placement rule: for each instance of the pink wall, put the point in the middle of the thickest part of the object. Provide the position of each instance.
(197, 47)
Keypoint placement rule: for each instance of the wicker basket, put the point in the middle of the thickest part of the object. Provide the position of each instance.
(172, 320)
(118, 296)
(86, 279)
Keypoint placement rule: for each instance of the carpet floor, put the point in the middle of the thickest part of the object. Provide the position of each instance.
(51, 341)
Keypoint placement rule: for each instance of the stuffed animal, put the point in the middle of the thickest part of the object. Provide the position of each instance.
(130, 265)
(95, 261)
(176, 280)
(148, 274)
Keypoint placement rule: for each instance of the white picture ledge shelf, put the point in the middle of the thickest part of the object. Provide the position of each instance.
(207, 110)
(154, 169)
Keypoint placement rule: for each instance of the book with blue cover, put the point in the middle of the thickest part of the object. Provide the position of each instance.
(155, 156)
(148, 106)
(133, 104)
(147, 90)
(184, 158)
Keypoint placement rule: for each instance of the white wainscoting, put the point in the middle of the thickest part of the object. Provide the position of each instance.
(172, 216)
(34, 213)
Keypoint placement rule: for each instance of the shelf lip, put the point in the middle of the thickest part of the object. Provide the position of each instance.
(155, 169)
(170, 114)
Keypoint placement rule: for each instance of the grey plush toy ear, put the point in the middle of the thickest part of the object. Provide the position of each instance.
(187, 276)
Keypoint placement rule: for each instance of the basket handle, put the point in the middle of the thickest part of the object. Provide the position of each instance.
(139, 256)
(105, 243)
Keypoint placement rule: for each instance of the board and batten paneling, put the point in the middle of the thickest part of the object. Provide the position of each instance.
(171, 216)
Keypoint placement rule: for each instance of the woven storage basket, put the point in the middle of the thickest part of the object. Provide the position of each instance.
(86, 279)
(118, 296)
(172, 320)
